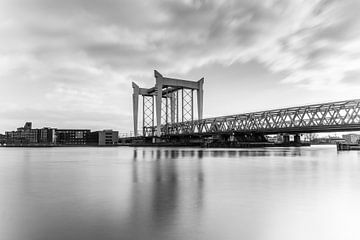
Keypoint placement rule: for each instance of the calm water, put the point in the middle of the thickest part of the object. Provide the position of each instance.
(179, 193)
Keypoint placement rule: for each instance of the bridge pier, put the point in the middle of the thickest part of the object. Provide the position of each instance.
(286, 139)
(297, 139)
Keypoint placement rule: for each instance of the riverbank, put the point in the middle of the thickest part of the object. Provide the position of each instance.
(347, 146)
(51, 145)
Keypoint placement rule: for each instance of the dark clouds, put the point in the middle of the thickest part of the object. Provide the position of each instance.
(180, 35)
(88, 47)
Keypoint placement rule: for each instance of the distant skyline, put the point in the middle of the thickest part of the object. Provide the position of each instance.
(70, 63)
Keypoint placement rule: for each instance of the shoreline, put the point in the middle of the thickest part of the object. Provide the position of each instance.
(166, 144)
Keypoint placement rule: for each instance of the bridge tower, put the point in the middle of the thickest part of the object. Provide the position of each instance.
(171, 101)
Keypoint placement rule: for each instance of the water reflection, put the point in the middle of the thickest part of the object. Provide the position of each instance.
(222, 153)
(179, 193)
(163, 193)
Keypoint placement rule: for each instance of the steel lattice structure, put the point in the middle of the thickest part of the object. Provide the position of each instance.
(327, 117)
(148, 115)
(163, 99)
(164, 110)
(174, 106)
(187, 105)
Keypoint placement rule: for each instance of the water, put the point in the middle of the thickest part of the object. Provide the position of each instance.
(179, 193)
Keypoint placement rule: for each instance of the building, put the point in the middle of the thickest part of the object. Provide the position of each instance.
(23, 135)
(104, 138)
(46, 135)
(351, 138)
(2, 139)
(275, 138)
(27, 136)
(108, 137)
(327, 140)
(71, 136)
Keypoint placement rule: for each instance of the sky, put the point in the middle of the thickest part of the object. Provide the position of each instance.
(70, 63)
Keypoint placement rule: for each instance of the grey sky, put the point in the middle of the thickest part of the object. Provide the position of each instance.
(70, 63)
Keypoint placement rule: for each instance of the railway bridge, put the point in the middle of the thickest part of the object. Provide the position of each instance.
(175, 106)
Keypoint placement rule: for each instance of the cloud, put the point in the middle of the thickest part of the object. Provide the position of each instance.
(82, 54)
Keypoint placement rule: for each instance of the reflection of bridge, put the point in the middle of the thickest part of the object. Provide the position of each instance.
(327, 117)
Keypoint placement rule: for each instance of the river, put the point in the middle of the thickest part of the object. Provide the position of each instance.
(179, 193)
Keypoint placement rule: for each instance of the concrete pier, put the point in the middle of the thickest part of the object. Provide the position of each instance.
(297, 139)
(286, 139)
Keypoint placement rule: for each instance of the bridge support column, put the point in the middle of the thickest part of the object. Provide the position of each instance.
(136, 92)
(286, 138)
(297, 138)
(173, 107)
(200, 100)
(158, 86)
(148, 115)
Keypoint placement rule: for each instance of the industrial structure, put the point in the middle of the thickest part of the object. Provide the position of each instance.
(253, 126)
(173, 101)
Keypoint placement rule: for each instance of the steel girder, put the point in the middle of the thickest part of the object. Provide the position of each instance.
(148, 115)
(327, 117)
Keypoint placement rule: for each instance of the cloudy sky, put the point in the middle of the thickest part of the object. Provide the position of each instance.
(70, 63)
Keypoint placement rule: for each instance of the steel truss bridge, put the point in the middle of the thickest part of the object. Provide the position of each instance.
(175, 114)
(326, 117)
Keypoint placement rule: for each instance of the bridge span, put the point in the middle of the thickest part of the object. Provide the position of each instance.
(325, 117)
(170, 104)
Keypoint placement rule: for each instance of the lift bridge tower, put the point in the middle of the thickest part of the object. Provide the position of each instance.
(170, 101)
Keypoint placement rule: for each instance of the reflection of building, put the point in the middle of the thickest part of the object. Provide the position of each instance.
(351, 138)
(104, 138)
(71, 136)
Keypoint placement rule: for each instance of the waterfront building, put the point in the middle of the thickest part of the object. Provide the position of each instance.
(2, 139)
(46, 135)
(27, 136)
(351, 138)
(23, 135)
(275, 138)
(108, 137)
(71, 136)
(104, 138)
(328, 140)
(28, 126)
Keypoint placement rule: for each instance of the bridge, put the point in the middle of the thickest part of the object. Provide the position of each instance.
(325, 117)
